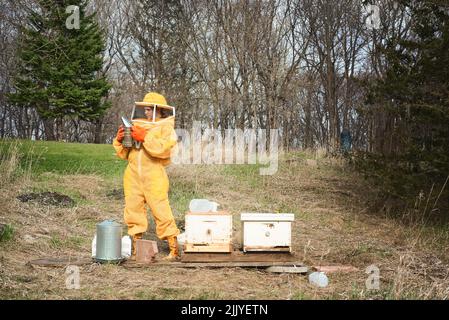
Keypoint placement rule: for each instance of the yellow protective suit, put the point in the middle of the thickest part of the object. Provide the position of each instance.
(145, 180)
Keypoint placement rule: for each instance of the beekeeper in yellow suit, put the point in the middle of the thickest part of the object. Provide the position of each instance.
(145, 180)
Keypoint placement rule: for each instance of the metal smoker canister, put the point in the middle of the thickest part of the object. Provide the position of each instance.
(109, 241)
(127, 139)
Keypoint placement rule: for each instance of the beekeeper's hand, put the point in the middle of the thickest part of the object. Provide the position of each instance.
(138, 133)
(120, 134)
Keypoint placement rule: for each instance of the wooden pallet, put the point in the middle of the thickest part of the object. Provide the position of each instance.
(235, 259)
(238, 256)
(216, 247)
(61, 262)
(298, 266)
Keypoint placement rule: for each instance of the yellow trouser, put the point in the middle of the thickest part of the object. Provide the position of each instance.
(150, 187)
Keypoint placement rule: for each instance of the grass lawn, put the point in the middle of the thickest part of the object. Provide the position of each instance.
(66, 158)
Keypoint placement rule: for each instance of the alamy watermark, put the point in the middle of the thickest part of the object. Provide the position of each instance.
(373, 16)
(72, 280)
(228, 146)
(73, 21)
(373, 280)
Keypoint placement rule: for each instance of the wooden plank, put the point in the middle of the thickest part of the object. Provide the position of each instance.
(61, 262)
(237, 256)
(287, 269)
(335, 269)
(237, 264)
(133, 264)
(216, 247)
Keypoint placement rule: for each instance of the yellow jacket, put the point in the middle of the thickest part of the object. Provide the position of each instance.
(159, 141)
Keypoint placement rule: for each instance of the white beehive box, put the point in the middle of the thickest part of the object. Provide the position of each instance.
(208, 232)
(267, 231)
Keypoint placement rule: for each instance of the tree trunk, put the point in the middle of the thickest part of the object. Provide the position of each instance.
(98, 130)
(49, 127)
(308, 119)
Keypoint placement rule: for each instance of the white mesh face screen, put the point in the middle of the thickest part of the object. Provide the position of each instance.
(139, 112)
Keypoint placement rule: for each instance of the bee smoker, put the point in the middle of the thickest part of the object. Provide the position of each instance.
(128, 141)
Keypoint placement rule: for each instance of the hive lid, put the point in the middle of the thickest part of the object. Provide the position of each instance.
(267, 217)
(210, 213)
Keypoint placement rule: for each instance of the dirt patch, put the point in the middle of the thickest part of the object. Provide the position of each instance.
(117, 194)
(48, 199)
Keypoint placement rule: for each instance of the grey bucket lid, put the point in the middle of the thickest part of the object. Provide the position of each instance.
(109, 223)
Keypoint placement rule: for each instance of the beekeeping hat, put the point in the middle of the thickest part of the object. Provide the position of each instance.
(155, 100)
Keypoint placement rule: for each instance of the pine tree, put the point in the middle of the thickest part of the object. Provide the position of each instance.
(415, 92)
(59, 68)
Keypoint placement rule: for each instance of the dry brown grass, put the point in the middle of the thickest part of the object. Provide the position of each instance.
(334, 226)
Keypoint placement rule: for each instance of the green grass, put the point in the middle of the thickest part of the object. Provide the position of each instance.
(144, 295)
(67, 158)
(385, 292)
(181, 192)
(176, 293)
(161, 294)
(74, 242)
(208, 295)
(301, 296)
(295, 154)
(55, 242)
(6, 233)
(248, 173)
(89, 224)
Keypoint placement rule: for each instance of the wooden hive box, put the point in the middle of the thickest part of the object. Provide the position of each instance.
(208, 232)
(267, 231)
